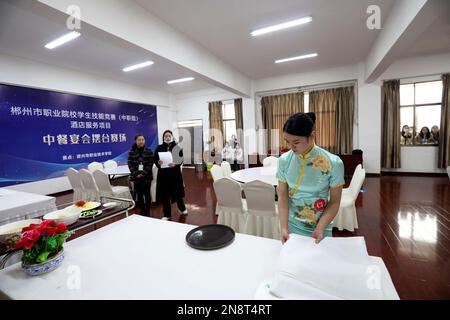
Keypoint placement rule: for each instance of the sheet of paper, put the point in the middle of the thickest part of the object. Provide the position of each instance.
(166, 158)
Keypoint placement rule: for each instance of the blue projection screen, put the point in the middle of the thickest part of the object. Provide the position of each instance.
(42, 133)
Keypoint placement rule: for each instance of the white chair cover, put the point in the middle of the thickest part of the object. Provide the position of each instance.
(110, 164)
(216, 172)
(75, 182)
(105, 188)
(226, 168)
(448, 171)
(262, 218)
(89, 186)
(95, 166)
(270, 162)
(352, 185)
(153, 185)
(346, 217)
(231, 208)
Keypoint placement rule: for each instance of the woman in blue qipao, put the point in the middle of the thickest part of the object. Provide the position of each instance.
(310, 181)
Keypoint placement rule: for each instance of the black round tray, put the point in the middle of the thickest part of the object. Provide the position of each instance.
(210, 237)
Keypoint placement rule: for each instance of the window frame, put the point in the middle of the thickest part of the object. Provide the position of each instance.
(414, 105)
(226, 120)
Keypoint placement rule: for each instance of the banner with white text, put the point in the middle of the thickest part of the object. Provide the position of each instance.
(42, 133)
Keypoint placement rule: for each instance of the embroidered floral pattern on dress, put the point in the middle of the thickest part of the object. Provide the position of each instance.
(321, 163)
(307, 215)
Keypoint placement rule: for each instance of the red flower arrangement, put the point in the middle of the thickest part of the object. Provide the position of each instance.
(320, 204)
(40, 241)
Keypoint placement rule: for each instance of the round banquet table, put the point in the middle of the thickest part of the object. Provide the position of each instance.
(118, 171)
(265, 174)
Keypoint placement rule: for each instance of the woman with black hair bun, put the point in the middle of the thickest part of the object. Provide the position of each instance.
(310, 181)
(170, 186)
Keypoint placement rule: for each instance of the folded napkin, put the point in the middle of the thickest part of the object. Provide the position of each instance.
(336, 268)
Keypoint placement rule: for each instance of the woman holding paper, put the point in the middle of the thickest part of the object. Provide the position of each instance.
(310, 181)
(140, 163)
(170, 187)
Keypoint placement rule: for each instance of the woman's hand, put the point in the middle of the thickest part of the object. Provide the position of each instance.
(172, 165)
(318, 235)
(284, 235)
(160, 162)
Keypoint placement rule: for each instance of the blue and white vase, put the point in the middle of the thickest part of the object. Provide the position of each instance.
(47, 266)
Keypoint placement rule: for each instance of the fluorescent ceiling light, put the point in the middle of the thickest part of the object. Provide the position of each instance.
(281, 26)
(180, 80)
(306, 56)
(61, 40)
(138, 66)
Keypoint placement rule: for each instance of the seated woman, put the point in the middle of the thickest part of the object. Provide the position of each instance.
(435, 134)
(406, 137)
(424, 136)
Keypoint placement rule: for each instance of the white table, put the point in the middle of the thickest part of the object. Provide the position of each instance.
(265, 174)
(145, 258)
(17, 205)
(118, 171)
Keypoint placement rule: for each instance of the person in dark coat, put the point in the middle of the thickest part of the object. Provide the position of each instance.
(170, 186)
(140, 163)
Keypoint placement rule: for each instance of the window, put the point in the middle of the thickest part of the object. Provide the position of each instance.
(229, 120)
(420, 113)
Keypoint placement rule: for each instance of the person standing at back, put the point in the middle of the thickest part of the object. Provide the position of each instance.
(140, 163)
(170, 187)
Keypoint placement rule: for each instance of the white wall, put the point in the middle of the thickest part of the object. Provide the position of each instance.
(167, 120)
(420, 159)
(18, 71)
(194, 106)
(306, 79)
(369, 123)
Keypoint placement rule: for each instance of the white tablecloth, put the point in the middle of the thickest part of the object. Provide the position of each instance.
(16, 205)
(265, 174)
(118, 171)
(145, 258)
(264, 290)
(336, 268)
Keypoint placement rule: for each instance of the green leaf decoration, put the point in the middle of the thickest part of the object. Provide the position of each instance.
(42, 257)
(52, 243)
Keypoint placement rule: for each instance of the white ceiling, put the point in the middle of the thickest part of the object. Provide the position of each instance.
(26, 28)
(338, 31)
(435, 40)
